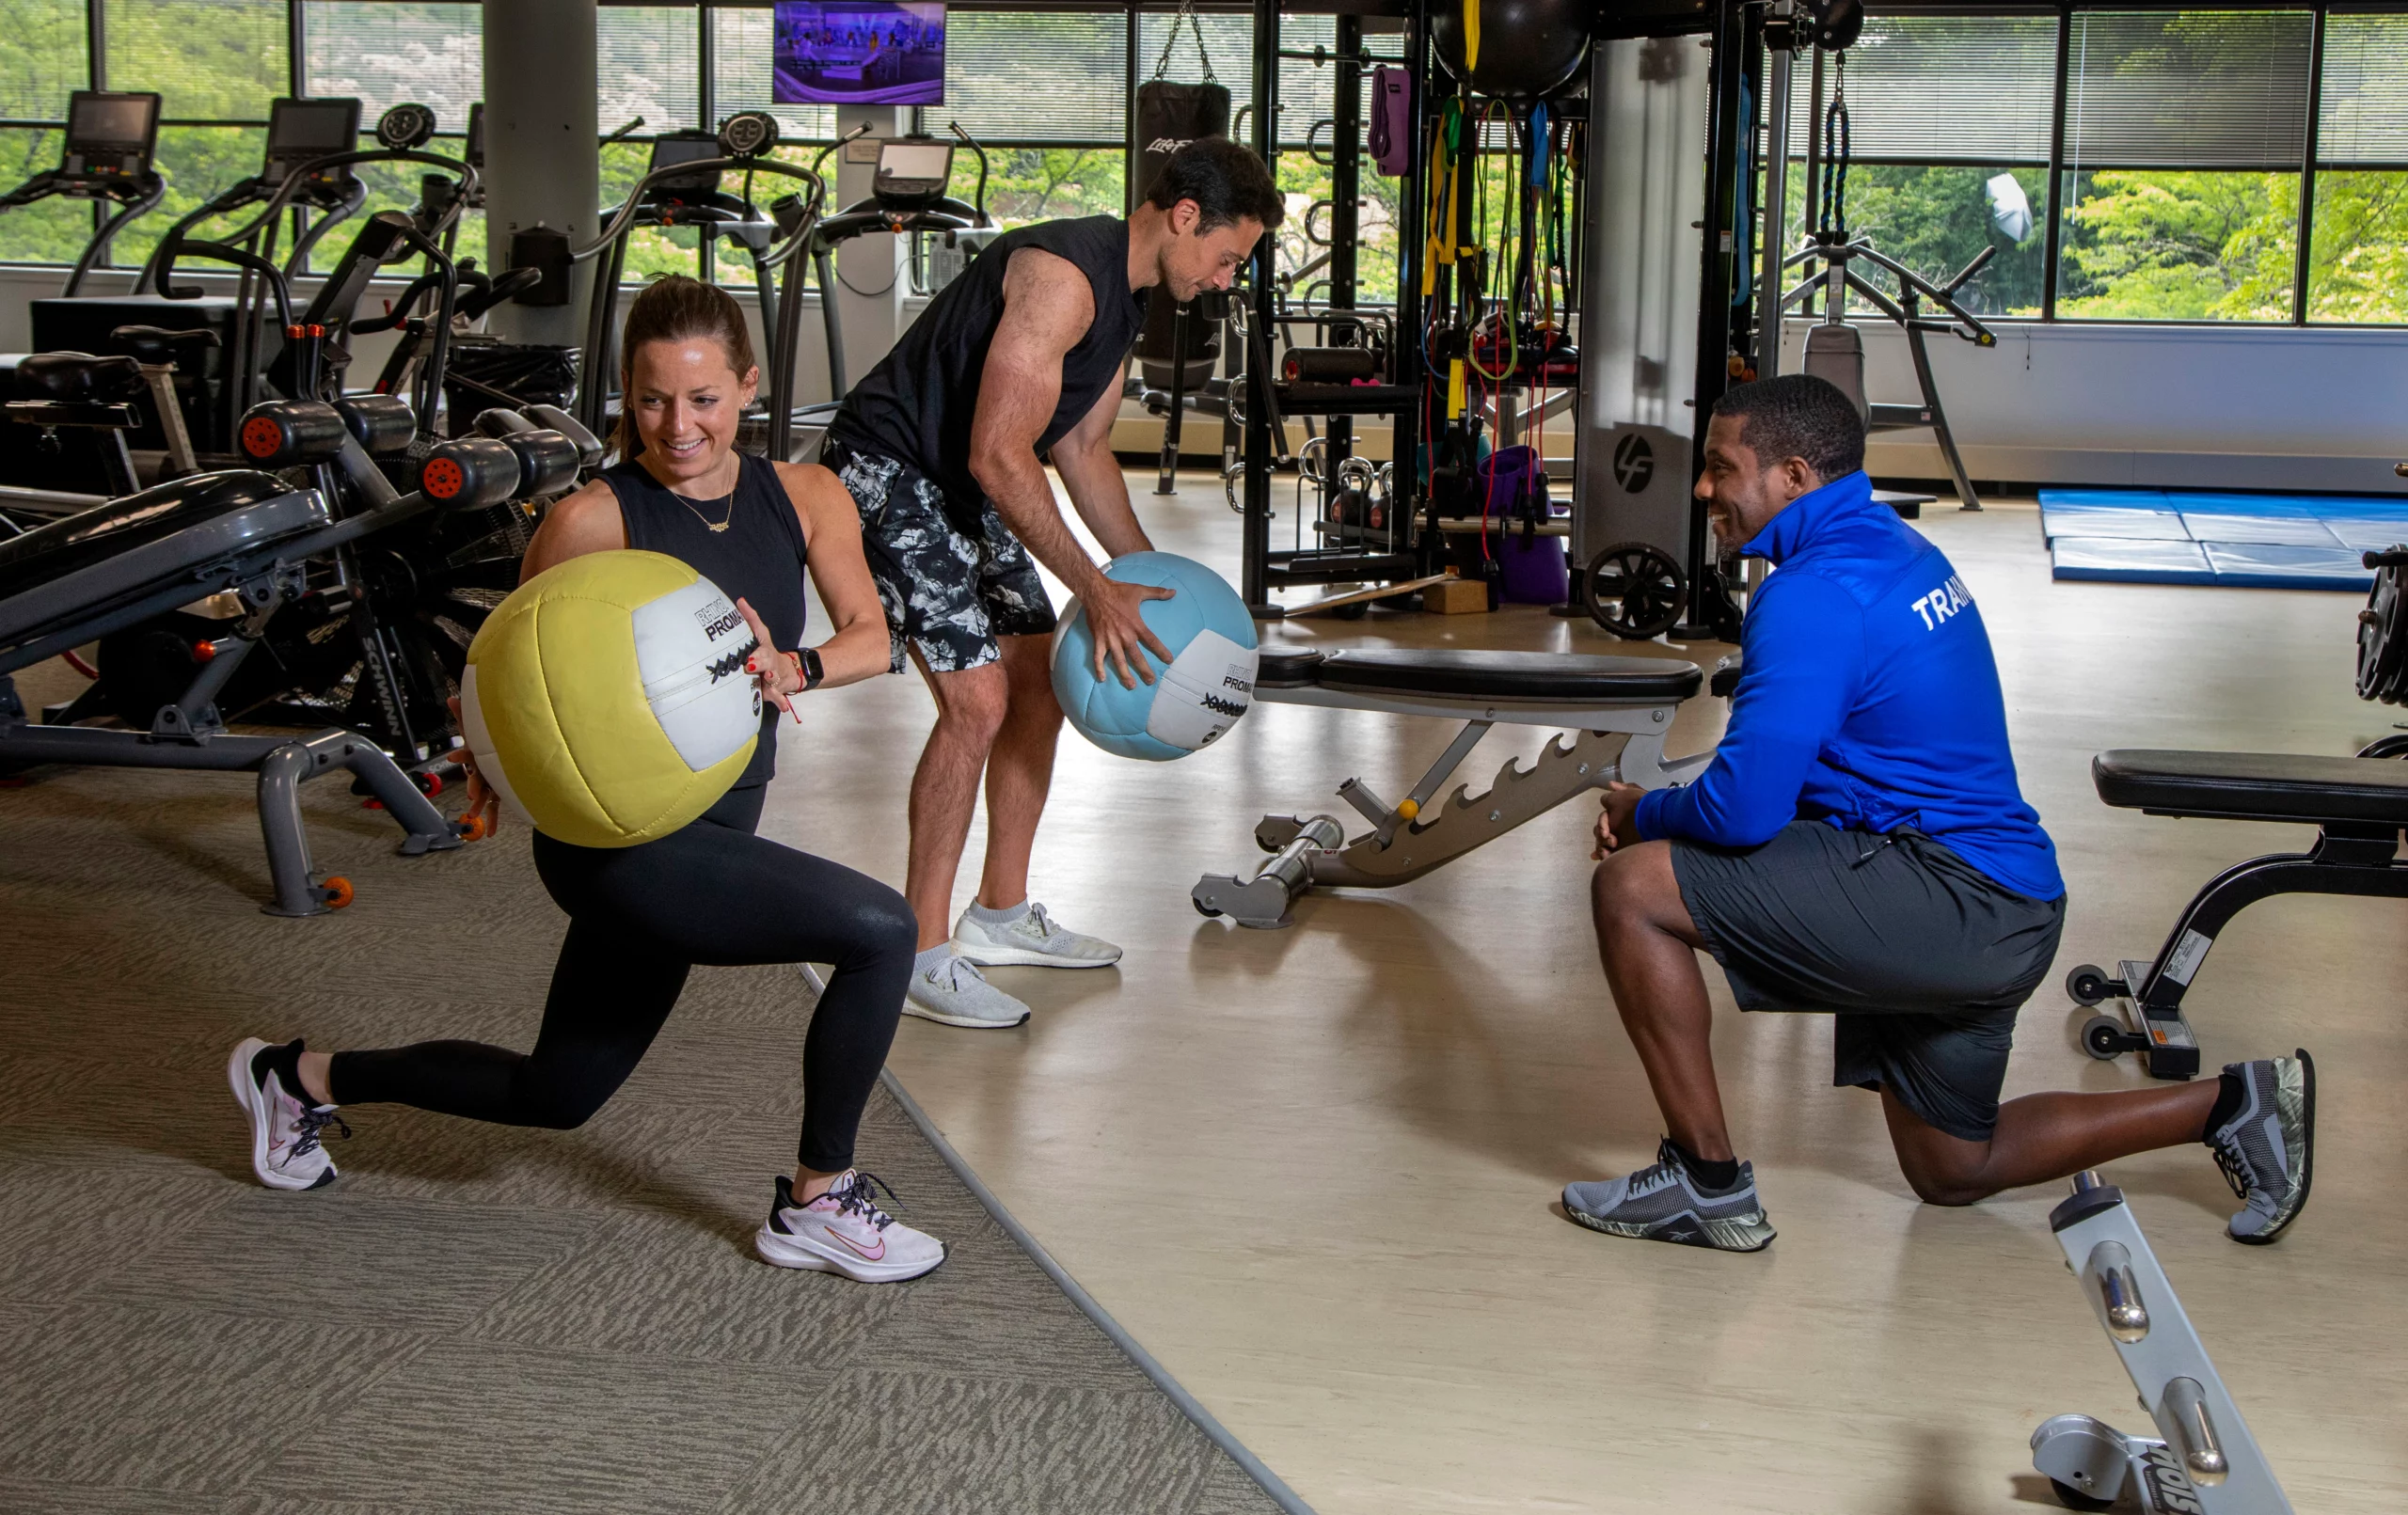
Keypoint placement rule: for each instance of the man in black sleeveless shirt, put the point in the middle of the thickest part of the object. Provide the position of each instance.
(943, 448)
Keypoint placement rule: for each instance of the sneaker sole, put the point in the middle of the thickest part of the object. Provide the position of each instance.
(248, 1094)
(1744, 1234)
(912, 1007)
(2299, 1136)
(784, 1251)
(1022, 957)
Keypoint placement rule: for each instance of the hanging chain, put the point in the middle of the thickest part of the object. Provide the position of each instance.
(1186, 14)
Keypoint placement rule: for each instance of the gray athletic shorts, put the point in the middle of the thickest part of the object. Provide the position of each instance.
(1924, 958)
(947, 594)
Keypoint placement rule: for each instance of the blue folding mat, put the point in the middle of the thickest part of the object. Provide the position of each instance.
(2158, 536)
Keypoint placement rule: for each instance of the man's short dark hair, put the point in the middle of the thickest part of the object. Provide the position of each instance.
(1226, 182)
(1798, 415)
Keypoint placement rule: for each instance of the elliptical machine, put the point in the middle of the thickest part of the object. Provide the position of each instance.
(681, 188)
(908, 198)
(112, 137)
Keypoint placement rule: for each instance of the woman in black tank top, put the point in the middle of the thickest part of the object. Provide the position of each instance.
(712, 893)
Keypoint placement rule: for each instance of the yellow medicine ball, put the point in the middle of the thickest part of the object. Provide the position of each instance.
(607, 701)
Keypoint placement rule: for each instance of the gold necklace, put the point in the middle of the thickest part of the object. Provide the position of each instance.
(715, 525)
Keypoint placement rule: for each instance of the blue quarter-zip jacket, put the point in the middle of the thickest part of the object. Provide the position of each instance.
(1869, 700)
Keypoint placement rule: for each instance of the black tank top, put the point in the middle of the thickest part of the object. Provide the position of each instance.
(917, 406)
(758, 559)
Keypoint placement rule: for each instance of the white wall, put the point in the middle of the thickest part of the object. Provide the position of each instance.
(2195, 407)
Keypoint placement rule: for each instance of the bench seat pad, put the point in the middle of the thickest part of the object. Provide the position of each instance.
(1451, 674)
(2258, 786)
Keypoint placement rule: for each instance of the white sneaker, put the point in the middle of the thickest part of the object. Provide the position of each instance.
(844, 1231)
(954, 993)
(1030, 939)
(285, 1149)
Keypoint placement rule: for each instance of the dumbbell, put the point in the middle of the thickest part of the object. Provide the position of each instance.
(468, 473)
(384, 424)
(290, 434)
(471, 472)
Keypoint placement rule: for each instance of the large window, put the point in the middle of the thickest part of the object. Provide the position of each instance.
(2231, 163)
(2185, 136)
(1948, 127)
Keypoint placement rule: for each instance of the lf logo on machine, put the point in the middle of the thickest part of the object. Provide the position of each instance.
(1634, 463)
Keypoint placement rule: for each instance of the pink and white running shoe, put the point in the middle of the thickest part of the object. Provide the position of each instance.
(844, 1231)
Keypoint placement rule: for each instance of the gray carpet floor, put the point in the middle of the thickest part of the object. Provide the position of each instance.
(473, 1318)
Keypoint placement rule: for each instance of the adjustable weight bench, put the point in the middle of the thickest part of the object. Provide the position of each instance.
(1618, 711)
(2359, 806)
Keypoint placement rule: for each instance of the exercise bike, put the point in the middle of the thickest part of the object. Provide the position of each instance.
(375, 636)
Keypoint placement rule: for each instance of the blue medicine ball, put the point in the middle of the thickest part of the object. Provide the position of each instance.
(1210, 682)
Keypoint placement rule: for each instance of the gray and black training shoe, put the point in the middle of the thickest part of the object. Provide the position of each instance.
(1662, 1203)
(2265, 1150)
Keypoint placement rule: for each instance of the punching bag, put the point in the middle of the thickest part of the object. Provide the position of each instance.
(1169, 116)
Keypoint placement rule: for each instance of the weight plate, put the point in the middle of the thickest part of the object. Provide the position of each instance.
(1634, 591)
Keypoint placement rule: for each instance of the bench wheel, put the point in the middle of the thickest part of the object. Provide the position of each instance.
(470, 829)
(337, 892)
(2102, 1037)
(2072, 1498)
(2088, 985)
(1203, 909)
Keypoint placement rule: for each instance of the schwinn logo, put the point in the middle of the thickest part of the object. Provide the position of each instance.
(718, 619)
(1219, 706)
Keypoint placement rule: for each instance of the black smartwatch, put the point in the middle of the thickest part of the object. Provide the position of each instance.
(813, 674)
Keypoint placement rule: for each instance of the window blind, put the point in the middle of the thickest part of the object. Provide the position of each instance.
(1035, 77)
(211, 60)
(41, 59)
(649, 65)
(2362, 114)
(1971, 88)
(389, 51)
(2187, 88)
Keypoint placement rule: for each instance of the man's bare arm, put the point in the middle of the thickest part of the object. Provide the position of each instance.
(1047, 308)
(1097, 488)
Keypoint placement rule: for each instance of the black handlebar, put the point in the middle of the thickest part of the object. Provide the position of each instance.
(1981, 260)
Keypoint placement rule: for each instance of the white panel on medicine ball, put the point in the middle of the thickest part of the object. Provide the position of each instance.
(690, 646)
(1203, 692)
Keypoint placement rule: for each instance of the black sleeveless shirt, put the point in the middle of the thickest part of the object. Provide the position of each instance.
(917, 406)
(758, 559)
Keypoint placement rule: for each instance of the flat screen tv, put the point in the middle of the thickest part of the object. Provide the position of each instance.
(858, 52)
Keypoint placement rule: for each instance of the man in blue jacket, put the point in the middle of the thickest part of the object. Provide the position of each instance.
(1858, 847)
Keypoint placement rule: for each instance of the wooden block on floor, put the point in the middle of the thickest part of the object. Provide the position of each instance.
(1456, 597)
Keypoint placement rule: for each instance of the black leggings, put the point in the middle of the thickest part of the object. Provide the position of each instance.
(639, 917)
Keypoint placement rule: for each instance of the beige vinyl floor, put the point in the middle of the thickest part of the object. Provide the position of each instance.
(1315, 1170)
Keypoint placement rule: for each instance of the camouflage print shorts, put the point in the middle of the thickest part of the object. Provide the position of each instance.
(946, 593)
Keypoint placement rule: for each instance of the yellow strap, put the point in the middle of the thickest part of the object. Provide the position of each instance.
(1471, 34)
(1455, 388)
